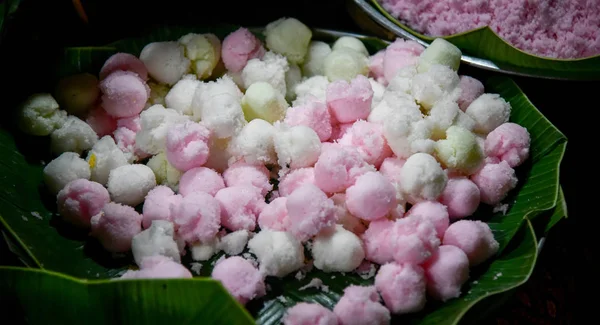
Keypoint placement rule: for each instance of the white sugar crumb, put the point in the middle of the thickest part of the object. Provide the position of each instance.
(315, 283)
(501, 208)
(499, 274)
(196, 267)
(333, 277)
(24, 218)
(475, 282)
(234, 243)
(282, 299)
(37, 215)
(300, 275)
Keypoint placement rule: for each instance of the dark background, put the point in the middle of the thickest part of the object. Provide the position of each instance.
(40, 27)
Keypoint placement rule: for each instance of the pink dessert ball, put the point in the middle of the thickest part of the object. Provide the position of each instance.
(461, 197)
(349, 102)
(309, 212)
(102, 123)
(413, 239)
(359, 306)
(376, 67)
(80, 200)
(446, 272)
(309, 314)
(244, 174)
(338, 130)
(368, 139)
(238, 48)
(435, 212)
(160, 204)
(115, 225)
(274, 216)
(509, 142)
(371, 197)
(470, 89)
(474, 237)
(391, 167)
(158, 267)
(197, 218)
(313, 114)
(343, 216)
(494, 181)
(240, 207)
(124, 62)
(125, 140)
(296, 178)
(133, 123)
(377, 241)
(398, 55)
(124, 94)
(338, 167)
(187, 145)
(241, 279)
(200, 179)
(402, 287)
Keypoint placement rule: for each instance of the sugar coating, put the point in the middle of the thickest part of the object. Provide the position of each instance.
(123, 62)
(345, 64)
(156, 122)
(338, 131)
(164, 172)
(407, 132)
(295, 179)
(413, 239)
(422, 178)
(509, 142)
(197, 217)
(371, 197)
(344, 217)
(77, 93)
(39, 115)
(80, 200)
(292, 77)
(392, 104)
(440, 52)
(494, 181)
(262, 101)
(297, 146)
(378, 91)
(446, 272)
(64, 169)
(446, 113)
(254, 144)
(234, 242)
(274, 215)
(99, 120)
(115, 225)
(158, 267)
(154, 241)
(315, 86)
(433, 211)
(289, 37)
(244, 174)
(165, 61)
(279, 253)
(310, 211)
(376, 67)
(436, 83)
(473, 237)
(402, 82)
(338, 167)
(201, 179)
(489, 111)
(402, 287)
(159, 204)
(204, 251)
(391, 167)
(240, 206)
(461, 197)
(399, 54)
(187, 145)
(470, 89)
(241, 279)
(360, 305)
(309, 314)
(239, 47)
(351, 101)
(350, 42)
(181, 95)
(74, 135)
(459, 151)
(313, 114)
(315, 57)
(124, 94)
(377, 240)
(129, 184)
(104, 157)
(203, 51)
(337, 250)
(125, 140)
(271, 68)
(369, 140)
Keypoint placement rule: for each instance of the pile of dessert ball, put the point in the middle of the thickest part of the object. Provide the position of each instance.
(259, 150)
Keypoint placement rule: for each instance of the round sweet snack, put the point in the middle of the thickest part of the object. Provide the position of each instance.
(509, 142)
(459, 151)
(437, 83)
(378, 241)
(297, 147)
(289, 37)
(470, 89)
(164, 172)
(156, 240)
(351, 43)
(165, 61)
(201, 179)
(435, 212)
(337, 250)
(240, 278)
(309, 314)
(103, 158)
(494, 181)
(238, 48)
(402, 287)
(80, 200)
(294, 179)
(160, 204)
(360, 305)
(240, 206)
(473, 237)
(124, 94)
(187, 145)
(78, 93)
(344, 217)
(489, 111)
(129, 184)
(351, 101)
(262, 101)
(422, 178)
(391, 167)
(203, 51)
(271, 68)
(461, 197)
(274, 215)
(197, 218)
(446, 271)
(376, 67)
(338, 167)
(369, 140)
(132, 123)
(313, 114)
(115, 226)
(73, 135)
(123, 62)
(181, 96)
(279, 253)
(315, 57)
(155, 123)
(338, 131)
(399, 54)
(254, 144)
(100, 121)
(64, 169)
(39, 115)
(371, 197)
(244, 174)
(413, 239)
(309, 211)
(158, 267)
(345, 64)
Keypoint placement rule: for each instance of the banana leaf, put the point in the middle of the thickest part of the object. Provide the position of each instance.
(28, 216)
(485, 43)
